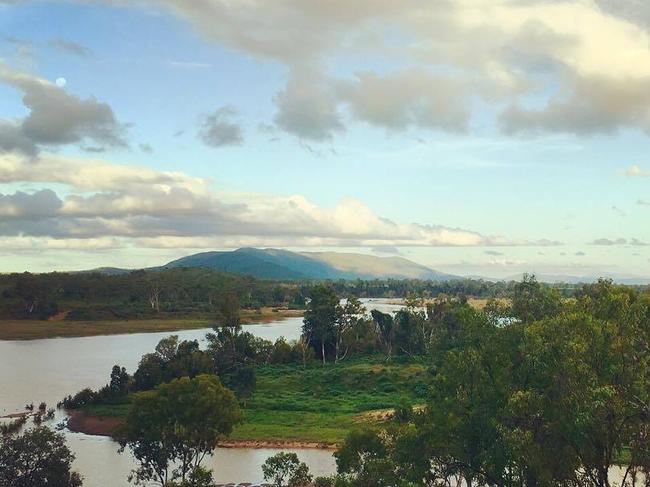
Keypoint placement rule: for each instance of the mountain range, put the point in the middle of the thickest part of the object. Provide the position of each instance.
(286, 265)
(282, 264)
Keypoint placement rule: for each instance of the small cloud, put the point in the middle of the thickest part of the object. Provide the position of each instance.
(71, 47)
(24, 48)
(580, 253)
(642, 202)
(619, 212)
(493, 252)
(94, 149)
(146, 148)
(638, 243)
(178, 133)
(608, 242)
(218, 129)
(619, 241)
(636, 171)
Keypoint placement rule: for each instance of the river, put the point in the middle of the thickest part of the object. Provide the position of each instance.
(46, 370)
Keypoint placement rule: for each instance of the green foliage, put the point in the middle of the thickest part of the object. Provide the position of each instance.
(165, 293)
(322, 404)
(533, 301)
(360, 447)
(552, 399)
(171, 360)
(286, 470)
(321, 317)
(171, 429)
(37, 457)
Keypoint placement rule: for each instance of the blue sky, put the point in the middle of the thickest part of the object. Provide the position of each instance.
(473, 155)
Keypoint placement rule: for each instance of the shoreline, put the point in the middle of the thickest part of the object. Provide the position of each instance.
(22, 330)
(82, 422)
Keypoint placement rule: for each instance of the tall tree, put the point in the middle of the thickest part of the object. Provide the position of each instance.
(384, 323)
(172, 429)
(321, 319)
(349, 314)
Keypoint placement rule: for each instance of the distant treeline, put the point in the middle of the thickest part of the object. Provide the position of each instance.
(139, 294)
(197, 293)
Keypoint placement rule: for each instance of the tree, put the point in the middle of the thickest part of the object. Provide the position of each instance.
(533, 301)
(154, 296)
(386, 332)
(286, 470)
(348, 316)
(320, 321)
(172, 429)
(119, 384)
(229, 311)
(38, 457)
(172, 359)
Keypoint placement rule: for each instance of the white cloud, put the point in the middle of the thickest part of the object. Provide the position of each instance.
(585, 64)
(636, 171)
(155, 209)
(55, 117)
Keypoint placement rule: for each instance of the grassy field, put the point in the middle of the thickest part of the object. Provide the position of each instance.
(320, 404)
(31, 330)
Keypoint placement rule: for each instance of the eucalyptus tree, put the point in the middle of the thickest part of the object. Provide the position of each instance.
(171, 429)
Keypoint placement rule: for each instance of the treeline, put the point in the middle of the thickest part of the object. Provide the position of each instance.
(198, 293)
(139, 294)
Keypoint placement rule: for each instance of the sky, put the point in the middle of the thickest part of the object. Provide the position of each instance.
(478, 137)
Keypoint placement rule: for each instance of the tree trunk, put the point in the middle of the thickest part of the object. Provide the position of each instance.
(322, 349)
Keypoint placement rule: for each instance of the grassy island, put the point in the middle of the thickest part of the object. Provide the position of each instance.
(316, 405)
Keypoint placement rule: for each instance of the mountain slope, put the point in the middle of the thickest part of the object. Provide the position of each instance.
(283, 264)
(369, 266)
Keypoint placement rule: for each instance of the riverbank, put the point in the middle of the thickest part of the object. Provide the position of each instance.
(90, 424)
(34, 330)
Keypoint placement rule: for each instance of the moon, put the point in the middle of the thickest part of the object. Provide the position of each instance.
(61, 82)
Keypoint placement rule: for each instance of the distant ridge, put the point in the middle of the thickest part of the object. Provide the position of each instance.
(286, 265)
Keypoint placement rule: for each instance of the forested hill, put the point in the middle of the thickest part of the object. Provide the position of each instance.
(285, 265)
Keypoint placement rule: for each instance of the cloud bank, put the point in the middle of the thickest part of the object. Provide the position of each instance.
(112, 204)
(580, 67)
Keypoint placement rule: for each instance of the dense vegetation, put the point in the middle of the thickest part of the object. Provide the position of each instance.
(195, 293)
(554, 397)
(38, 457)
(139, 294)
(536, 391)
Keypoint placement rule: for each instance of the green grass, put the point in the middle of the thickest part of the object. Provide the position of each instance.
(319, 404)
(323, 403)
(109, 410)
